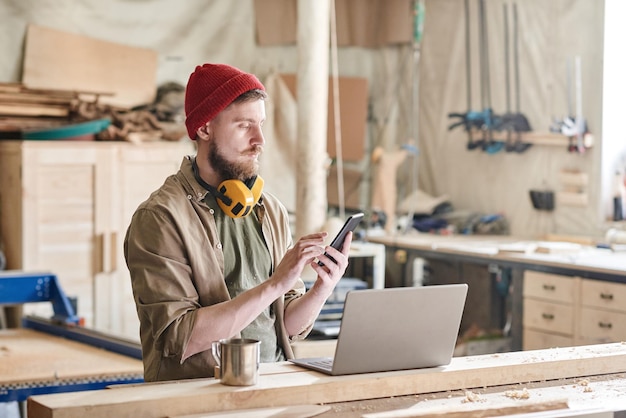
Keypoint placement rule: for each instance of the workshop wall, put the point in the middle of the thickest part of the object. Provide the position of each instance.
(188, 33)
(550, 34)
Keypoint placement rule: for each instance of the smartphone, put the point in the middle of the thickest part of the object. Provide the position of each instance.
(351, 223)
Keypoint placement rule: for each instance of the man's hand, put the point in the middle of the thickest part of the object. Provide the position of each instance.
(304, 252)
(332, 269)
(303, 311)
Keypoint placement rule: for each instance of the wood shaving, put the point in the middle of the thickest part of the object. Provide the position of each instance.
(583, 382)
(472, 397)
(517, 394)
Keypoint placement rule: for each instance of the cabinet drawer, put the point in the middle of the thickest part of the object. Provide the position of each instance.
(550, 286)
(602, 326)
(548, 316)
(605, 295)
(537, 340)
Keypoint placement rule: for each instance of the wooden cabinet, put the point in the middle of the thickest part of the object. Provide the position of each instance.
(566, 311)
(549, 310)
(603, 312)
(65, 207)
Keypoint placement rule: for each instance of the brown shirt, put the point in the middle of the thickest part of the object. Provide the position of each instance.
(176, 264)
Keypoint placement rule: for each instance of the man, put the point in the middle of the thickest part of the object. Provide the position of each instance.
(210, 255)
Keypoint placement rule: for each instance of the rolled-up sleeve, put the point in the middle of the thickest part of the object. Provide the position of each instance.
(160, 277)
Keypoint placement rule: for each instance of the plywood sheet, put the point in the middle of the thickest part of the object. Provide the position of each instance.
(364, 23)
(275, 22)
(352, 114)
(351, 187)
(294, 386)
(59, 60)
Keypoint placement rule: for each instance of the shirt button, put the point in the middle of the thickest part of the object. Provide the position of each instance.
(199, 194)
(219, 245)
(211, 211)
(189, 196)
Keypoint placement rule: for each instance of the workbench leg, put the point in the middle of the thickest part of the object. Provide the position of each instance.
(517, 306)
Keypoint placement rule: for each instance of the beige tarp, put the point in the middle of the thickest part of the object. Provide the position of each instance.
(188, 33)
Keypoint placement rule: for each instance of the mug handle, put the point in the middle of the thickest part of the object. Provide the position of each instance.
(215, 351)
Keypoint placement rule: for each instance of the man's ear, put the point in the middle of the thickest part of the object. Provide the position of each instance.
(203, 131)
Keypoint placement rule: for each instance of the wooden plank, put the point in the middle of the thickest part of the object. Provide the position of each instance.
(535, 138)
(55, 59)
(299, 387)
(297, 411)
(27, 109)
(352, 114)
(34, 98)
(478, 412)
(29, 357)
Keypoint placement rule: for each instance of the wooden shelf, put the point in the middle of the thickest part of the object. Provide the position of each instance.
(536, 138)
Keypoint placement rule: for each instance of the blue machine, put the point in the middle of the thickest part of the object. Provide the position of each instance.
(18, 287)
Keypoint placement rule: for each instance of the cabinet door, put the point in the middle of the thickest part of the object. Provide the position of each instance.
(66, 202)
(604, 295)
(549, 317)
(562, 289)
(602, 326)
(140, 170)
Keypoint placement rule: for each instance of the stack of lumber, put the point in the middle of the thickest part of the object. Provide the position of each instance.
(69, 79)
(23, 108)
(25, 111)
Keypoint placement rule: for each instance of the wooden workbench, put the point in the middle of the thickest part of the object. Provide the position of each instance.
(473, 258)
(37, 360)
(588, 262)
(286, 385)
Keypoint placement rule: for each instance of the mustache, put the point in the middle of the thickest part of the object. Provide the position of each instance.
(255, 149)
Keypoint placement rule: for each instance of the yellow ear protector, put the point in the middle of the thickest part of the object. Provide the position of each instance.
(235, 197)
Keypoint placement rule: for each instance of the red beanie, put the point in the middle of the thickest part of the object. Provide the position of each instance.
(210, 89)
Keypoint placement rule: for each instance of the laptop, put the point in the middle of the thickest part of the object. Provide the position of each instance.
(395, 328)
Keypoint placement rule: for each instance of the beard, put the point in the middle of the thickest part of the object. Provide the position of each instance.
(229, 169)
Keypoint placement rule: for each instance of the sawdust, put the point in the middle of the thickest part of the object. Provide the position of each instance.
(4, 351)
(472, 397)
(517, 394)
(585, 384)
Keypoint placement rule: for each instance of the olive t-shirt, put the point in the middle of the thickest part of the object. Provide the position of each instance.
(247, 263)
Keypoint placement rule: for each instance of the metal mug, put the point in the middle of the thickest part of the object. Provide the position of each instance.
(238, 360)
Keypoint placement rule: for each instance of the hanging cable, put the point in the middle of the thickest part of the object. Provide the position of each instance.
(412, 147)
(334, 62)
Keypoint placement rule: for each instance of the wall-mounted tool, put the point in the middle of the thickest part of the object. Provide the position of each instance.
(470, 120)
(484, 120)
(490, 145)
(513, 122)
(574, 125)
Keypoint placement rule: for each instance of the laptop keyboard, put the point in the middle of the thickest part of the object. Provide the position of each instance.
(326, 363)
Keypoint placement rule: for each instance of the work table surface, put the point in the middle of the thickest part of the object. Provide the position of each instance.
(283, 385)
(35, 358)
(562, 257)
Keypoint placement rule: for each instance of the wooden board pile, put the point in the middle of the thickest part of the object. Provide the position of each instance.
(23, 108)
(85, 79)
